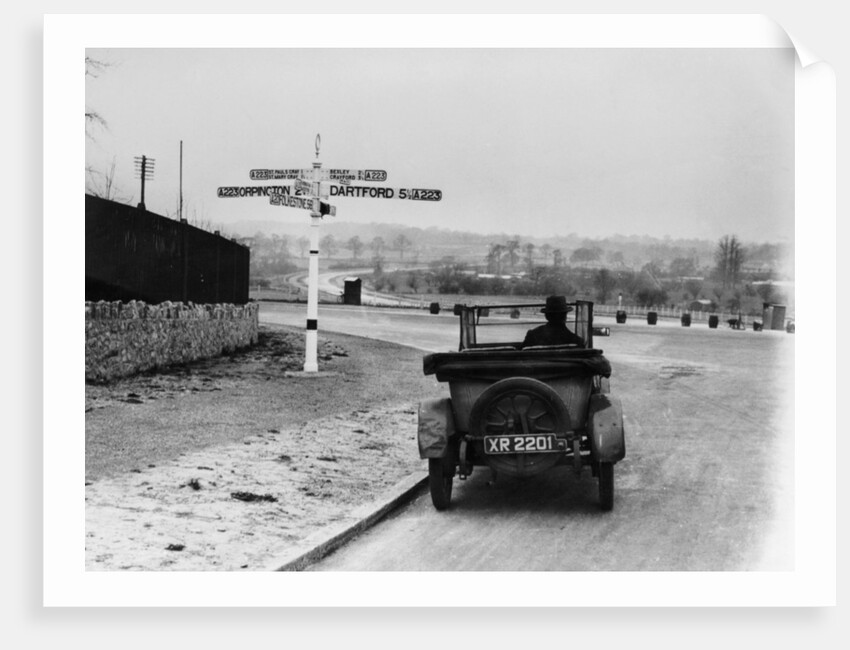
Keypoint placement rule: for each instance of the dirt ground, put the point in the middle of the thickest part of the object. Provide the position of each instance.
(224, 464)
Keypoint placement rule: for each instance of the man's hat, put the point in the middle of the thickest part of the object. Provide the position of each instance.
(556, 305)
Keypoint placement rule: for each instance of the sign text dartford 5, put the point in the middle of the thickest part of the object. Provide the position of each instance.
(362, 191)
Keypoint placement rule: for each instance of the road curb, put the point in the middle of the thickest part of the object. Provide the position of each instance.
(316, 546)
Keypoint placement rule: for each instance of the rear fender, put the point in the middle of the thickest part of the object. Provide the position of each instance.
(436, 426)
(605, 428)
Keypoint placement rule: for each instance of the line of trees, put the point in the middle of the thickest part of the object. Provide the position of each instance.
(512, 256)
(452, 277)
(270, 256)
(330, 246)
(724, 285)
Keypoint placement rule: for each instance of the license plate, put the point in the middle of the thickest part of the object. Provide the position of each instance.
(526, 444)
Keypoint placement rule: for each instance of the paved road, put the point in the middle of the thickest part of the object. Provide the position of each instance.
(331, 283)
(414, 327)
(706, 484)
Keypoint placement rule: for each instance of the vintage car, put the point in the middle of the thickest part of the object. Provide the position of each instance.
(520, 411)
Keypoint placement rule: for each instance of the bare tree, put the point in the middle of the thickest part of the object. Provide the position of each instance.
(195, 217)
(494, 258)
(585, 255)
(401, 243)
(328, 244)
(734, 303)
(728, 258)
(511, 250)
(693, 287)
(557, 257)
(766, 292)
(718, 294)
(198, 219)
(529, 256)
(303, 245)
(280, 245)
(377, 245)
(102, 184)
(683, 267)
(355, 245)
(616, 259)
(604, 282)
(93, 118)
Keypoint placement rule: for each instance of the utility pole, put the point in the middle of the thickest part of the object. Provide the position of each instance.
(144, 170)
(180, 207)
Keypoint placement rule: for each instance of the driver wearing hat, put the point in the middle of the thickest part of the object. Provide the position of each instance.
(555, 331)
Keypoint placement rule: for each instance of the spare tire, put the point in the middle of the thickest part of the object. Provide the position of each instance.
(519, 406)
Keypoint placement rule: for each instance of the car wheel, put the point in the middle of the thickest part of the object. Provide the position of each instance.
(440, 477)
(519, 406)
(605, 473)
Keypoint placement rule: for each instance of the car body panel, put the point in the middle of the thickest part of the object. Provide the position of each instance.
(436, 426)
(605, 428)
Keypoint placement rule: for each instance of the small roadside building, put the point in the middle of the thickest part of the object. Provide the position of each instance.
(351, 291)
(773, 316)
(702, 305)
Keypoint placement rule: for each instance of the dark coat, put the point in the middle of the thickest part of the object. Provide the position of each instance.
(551, 334)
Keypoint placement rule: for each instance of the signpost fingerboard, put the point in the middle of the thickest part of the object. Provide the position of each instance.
(308, 188)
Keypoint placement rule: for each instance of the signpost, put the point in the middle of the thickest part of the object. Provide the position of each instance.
(363, 191)
(377, 175)
(303, 202)
(234, 192)
(305, 187)
(309, 187)
(277, 174)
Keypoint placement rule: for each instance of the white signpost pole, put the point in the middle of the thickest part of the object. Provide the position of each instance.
(311, 357)
(321, 183)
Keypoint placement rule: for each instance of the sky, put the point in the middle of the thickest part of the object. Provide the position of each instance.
(680, 143)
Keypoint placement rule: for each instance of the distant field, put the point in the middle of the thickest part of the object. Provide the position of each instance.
(289, 295)
(286, 293)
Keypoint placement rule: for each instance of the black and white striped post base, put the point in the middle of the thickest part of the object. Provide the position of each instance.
(311, 357)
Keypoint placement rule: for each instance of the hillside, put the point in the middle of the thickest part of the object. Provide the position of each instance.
(435, 244)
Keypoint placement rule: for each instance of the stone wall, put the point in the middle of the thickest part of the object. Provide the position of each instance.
(123, 338)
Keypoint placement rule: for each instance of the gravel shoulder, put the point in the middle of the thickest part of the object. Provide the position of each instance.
(226, 463)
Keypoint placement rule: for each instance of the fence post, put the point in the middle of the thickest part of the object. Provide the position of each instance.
(217, 266)
(184, 231)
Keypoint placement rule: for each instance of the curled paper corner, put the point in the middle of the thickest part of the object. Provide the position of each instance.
(805, 56)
